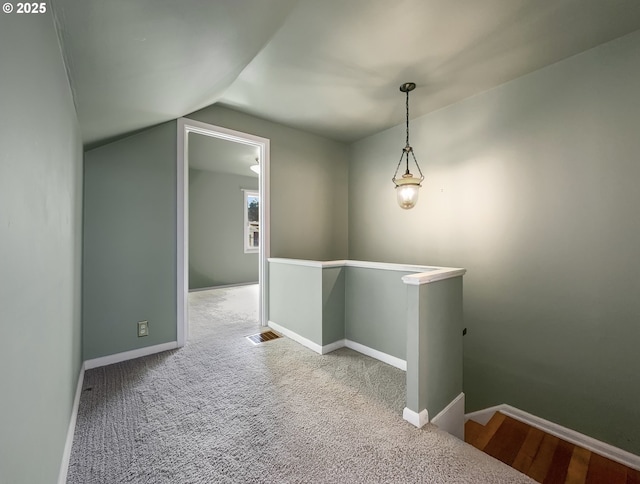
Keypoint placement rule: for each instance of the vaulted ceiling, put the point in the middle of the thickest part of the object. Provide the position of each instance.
(330, 67)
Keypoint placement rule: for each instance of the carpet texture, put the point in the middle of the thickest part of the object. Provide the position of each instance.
(221, 410)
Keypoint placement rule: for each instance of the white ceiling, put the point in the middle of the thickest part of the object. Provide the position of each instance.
(221, 156)
(136, 63)
(331, 67)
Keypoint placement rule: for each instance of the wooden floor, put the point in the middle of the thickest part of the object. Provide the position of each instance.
(544, 457)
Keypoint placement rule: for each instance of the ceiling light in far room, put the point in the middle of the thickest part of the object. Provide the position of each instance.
(255, 168)
(407, 187)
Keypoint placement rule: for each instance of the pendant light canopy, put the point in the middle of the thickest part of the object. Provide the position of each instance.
(408, 186)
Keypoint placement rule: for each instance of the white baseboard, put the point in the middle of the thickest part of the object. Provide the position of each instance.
(129, 355)
(66, 454)
(483, 416)
(237, 284)
(323, 350)
(451, 418)
(336, 345)
(602, 448)
(296, 337)
(414, 418)
(378, 355)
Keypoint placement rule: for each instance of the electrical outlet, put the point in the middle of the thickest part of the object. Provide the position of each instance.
(143, 328)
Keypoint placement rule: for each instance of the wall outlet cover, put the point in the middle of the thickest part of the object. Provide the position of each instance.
(143, 328)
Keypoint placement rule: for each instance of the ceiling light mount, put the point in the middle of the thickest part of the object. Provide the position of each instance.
(407, 187)
(408, 87)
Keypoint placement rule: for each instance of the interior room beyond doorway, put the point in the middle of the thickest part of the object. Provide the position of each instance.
(223, 213)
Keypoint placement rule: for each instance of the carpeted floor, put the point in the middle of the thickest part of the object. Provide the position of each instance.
(221, 410)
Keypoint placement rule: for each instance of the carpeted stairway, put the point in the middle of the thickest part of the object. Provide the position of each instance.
(221, 410)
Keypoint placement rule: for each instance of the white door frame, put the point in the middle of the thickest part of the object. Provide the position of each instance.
(186, 126)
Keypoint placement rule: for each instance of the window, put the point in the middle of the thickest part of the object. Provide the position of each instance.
(251, 221)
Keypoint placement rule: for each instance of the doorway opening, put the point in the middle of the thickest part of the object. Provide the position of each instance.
(187, 129)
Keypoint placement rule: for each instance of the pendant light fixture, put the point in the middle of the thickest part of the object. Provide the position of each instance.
(255, 168)
(407, 187)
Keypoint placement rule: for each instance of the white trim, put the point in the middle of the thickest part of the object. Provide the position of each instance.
(298, 262)
(433, 276)
(334, 263)
(378, 355)
(129, 355)
(246, 193)
(414, 418)
(425, 274)
(182, 235)
(602, 448)
(222, 286)
(451, 418)
(296, 337)
(264, 179)
(66, 454)
(185, 126)
(336, 345)
(389, 266)
(483, 416)
(328, 348)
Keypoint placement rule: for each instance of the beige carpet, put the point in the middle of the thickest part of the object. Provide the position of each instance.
(221, 410)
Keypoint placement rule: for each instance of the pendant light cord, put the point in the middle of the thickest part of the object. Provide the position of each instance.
(407, 106)
(407, 149)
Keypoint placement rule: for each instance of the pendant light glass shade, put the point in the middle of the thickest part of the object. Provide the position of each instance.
(407, 187)
(407, 190)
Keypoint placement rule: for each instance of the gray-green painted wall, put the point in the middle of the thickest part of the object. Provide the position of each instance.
(531, 186)
(130, 218)
(216, 230)
(296, 299)
(310, 301)
(308, 186)
(376, 314)
(333, 304)
(434, 345)
(129, 264)
(40, 247)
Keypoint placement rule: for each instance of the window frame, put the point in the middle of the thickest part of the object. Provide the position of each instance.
(247, 193)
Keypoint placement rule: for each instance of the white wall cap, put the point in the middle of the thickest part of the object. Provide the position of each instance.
(433, 276)
(424, 274)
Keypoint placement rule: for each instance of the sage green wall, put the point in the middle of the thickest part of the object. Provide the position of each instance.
(375, 314)
(295, 299)
(40, 246)
(130, 217)
(333, 304)
(532, 187)
(216, 230)
(129, 263)
(308, 186)
(434, 345)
